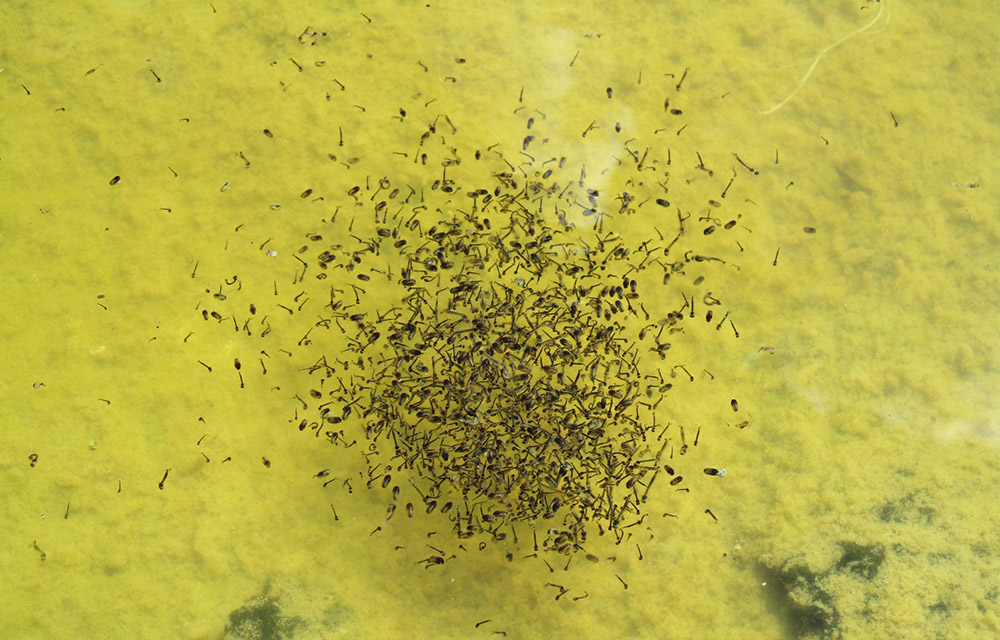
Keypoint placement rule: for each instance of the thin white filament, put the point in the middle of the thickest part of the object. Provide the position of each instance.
(883, 6)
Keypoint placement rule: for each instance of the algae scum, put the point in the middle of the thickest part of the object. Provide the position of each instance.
(486, 322)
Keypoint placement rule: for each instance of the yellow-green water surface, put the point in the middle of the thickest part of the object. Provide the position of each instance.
(860, 496)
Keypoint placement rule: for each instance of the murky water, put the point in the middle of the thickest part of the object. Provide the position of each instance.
(171, 175)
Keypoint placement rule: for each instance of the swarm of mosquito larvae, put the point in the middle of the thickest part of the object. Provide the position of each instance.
(501, 380)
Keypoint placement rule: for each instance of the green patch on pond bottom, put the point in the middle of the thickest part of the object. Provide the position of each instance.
(260, 619)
